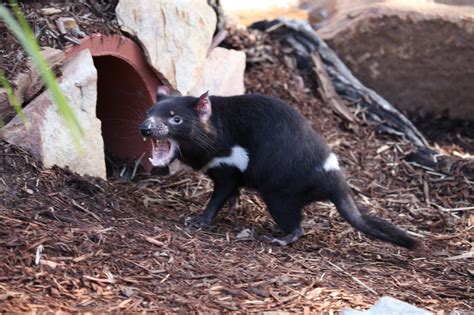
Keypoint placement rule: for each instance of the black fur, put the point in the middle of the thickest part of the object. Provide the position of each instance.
(286, 159)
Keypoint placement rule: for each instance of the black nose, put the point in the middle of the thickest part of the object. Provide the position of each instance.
(145, 130)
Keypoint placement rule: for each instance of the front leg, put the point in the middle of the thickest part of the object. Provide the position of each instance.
(225, 186)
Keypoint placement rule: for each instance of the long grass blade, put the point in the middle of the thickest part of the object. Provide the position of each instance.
(12, 98)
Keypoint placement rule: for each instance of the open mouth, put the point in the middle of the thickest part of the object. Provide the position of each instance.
(163, 152)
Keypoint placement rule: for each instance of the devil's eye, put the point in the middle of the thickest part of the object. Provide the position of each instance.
(176, 120)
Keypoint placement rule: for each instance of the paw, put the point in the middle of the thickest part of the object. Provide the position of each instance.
(286, 240)
(198, 221)
(274, 229)
(274, 240)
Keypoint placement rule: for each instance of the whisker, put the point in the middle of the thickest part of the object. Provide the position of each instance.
(179, 150)
(201, 140)
(203, 143)
(204, 140)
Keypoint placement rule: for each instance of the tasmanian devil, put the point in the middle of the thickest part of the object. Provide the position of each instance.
(259, 142)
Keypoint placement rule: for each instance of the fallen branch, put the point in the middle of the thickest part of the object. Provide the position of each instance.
(304, 40)
(327, 91)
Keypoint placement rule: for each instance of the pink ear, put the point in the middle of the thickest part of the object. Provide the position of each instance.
(203, 107)
(163, 90)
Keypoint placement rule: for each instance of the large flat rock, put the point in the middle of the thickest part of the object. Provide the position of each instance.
(175, 36)
(222, 73)
(47, 136)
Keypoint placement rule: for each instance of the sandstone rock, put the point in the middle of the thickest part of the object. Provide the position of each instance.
(222, 73)
(175, 35)
(389, 306)
(28, 84)
(48, 138)
(418, 55)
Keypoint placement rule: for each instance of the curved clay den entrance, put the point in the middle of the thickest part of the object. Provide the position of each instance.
(125, 90)
(121, 101)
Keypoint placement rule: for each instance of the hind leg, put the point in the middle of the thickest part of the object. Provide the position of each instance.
(287, 214)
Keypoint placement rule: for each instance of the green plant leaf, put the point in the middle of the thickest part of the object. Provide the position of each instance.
(12, 98)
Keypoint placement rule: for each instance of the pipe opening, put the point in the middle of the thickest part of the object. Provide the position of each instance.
(122, 100)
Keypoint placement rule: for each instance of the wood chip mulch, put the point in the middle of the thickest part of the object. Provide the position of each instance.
(91, 16)
(76, 243)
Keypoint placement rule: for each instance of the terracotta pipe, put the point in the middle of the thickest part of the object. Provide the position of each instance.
(125, 90)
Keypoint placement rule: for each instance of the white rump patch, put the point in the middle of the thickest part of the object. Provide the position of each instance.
(238, 158)
(331, 163)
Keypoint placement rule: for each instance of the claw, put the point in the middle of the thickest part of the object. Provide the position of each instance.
(286, 240)
(197, 221)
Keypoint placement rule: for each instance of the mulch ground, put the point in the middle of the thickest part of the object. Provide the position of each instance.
(91, 16)
(76, 243)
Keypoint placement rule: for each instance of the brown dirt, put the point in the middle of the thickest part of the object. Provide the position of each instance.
(418, 54)
(117, 245)
(456, 137)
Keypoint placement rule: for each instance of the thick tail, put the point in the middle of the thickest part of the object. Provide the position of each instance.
(371, 225)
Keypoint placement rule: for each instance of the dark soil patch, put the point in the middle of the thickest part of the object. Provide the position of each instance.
(110, 246)
(455, 137)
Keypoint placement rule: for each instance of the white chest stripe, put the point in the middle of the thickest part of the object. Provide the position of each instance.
(331, 163)
(239, 158)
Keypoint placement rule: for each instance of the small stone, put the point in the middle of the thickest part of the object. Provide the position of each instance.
(245, 234)
(127, 291)
(50, 11)
(67, 24)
